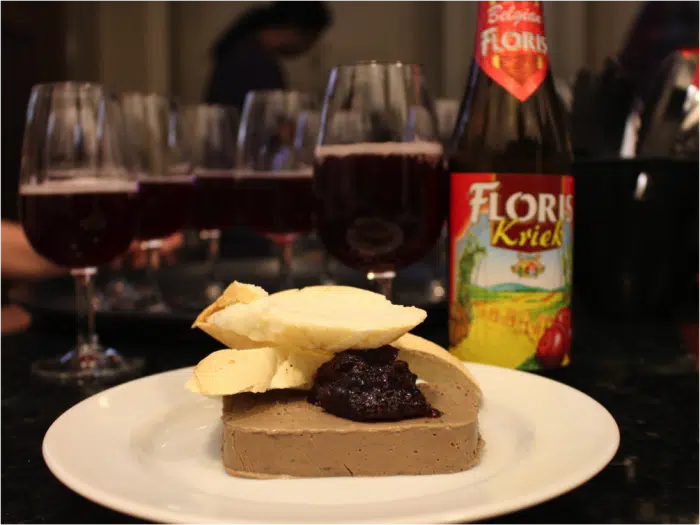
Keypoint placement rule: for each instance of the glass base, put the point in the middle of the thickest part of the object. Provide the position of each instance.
(119, 295)
(99, 365)
(157, 307)
(384, 282)
(327, 280)
(199, 299)
(436, 291)
(151, 301)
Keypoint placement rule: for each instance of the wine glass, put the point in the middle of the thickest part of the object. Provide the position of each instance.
(77, 202)
(380, 182)
(446, 112)
(308, 125)
(119, 292)
(210, 132)
(165, 180)
(273, 171)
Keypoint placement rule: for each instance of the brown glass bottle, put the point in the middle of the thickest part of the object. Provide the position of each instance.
(496, 132)
(511, 200)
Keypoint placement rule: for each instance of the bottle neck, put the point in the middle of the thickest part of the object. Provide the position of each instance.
(511, 46)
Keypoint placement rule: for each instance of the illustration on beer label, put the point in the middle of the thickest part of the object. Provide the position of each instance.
(528, 266)
(511, 46)
(511, 260)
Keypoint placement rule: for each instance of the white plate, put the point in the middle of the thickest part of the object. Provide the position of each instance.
(150, 448)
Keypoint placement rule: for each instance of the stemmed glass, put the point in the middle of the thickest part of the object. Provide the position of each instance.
(119, 292)
(446, 112)
(273, 171)
(380, 182)
(77, 202)
(308, 125)
(210, 132)
(164, 173)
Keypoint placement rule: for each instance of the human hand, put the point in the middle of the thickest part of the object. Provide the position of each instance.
(14, 319)
(19, 260)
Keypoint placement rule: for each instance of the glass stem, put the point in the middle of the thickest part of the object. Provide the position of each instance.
(286, 258)
(152, 249)
(326, 270)
(440, 269)
(385, 281)
(87, 341)
(442, 252)
(117, 281)
(213, 246)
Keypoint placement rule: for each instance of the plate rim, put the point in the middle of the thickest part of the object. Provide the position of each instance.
(455, 514)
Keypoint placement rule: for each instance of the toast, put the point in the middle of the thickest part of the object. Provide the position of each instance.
(235, 293)
(316, 318)
(230, 372)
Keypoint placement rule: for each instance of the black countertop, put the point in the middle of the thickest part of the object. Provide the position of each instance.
(639, 371)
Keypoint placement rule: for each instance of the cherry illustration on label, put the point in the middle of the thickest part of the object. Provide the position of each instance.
(552, 347)
(563, 321)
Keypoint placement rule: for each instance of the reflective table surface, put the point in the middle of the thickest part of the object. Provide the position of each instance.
(641, 372)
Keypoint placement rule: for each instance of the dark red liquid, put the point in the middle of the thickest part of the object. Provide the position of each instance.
(163, 206)
(379, 211)
(214, 205)
(78, 229)
(276, 203)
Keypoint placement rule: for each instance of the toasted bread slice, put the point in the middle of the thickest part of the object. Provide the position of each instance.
(229, 372)
(257, 370)
(317, 318)
(235, 293)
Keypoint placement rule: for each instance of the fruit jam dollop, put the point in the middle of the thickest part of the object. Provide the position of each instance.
(369, 385)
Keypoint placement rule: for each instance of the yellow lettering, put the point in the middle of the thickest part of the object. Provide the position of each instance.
(557, 238)
(545, 239)
(533, 237)
(501, 233)
(524, 237)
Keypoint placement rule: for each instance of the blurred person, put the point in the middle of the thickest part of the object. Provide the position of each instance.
(19, 262)
(247, 56)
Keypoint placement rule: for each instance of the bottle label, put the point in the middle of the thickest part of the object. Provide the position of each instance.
(511, 46)
(511, 255)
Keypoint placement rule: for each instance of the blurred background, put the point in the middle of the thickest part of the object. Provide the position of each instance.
(626, 72)
(165, 47)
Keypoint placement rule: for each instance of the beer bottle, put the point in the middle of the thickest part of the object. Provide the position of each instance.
(511, 200)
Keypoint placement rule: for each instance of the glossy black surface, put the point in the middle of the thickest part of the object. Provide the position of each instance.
(636, 236)
(56, 297)
(640, 372)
